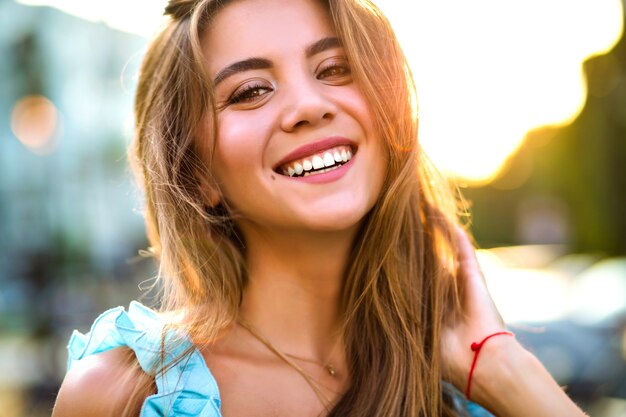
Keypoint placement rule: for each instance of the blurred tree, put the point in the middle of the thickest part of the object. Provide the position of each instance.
(574, 175)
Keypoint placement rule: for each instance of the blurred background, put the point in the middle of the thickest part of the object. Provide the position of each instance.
(522, 102)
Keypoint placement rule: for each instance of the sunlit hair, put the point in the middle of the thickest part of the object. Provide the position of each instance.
(399, 290)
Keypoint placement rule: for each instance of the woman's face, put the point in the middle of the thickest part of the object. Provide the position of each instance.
(296, 146)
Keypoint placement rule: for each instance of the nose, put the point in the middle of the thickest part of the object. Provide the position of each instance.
(305, 104)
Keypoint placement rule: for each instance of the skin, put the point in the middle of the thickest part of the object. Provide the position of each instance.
(293, 300)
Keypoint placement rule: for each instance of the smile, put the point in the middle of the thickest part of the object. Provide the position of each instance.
(318, 163)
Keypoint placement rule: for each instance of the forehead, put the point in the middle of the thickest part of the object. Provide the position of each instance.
(264, 28)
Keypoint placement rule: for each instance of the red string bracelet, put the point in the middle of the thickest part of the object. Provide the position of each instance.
(476, 347)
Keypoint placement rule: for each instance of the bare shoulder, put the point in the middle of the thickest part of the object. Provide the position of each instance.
(110, 383)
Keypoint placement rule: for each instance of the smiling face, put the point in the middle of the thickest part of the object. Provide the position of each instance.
(296, 146)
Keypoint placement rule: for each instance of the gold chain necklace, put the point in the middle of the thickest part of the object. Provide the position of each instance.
(330, 368)
(286, 357)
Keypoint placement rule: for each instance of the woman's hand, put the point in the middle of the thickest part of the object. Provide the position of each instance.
(480, 316)
(508, 380)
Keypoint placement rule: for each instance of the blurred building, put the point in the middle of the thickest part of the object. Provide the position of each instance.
(69, 217)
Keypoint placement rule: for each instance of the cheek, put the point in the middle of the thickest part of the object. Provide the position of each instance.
(238, 140)
(356, 104)
(363, 113)
(239, 150)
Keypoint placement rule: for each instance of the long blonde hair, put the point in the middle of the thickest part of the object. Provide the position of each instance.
(400, 288)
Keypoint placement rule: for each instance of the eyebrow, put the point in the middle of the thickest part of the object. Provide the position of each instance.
(262, 63)
(321, 46)
(241, 66)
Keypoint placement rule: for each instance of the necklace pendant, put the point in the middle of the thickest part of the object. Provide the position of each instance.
(331, 369)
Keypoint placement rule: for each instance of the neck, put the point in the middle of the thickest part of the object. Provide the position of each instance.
(292, 296)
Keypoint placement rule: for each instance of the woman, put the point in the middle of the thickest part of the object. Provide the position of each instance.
(308, 257)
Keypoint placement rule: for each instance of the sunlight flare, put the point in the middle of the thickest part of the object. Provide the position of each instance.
(488, 72)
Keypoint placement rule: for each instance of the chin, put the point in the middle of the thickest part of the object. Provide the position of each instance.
(336, 221)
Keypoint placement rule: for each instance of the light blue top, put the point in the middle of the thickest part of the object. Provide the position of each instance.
(187, 388)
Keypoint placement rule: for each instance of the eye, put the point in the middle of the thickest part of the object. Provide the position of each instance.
(249, 93)
(335, 70)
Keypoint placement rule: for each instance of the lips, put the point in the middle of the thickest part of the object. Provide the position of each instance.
(317, 157)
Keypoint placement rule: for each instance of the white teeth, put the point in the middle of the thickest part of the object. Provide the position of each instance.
(318, 162)
(329, 161)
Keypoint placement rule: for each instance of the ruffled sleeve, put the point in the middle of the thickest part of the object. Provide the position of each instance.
(186, 388)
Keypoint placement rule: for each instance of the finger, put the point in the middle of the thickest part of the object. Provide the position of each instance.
(476, 292)
(466, 253)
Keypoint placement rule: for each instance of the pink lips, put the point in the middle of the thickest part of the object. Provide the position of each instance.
(314, 147)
